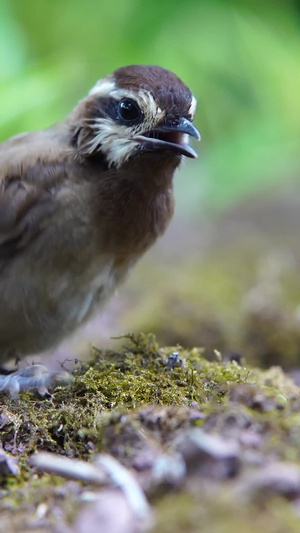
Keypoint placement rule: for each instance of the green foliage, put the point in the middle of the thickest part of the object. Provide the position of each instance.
(240, 59)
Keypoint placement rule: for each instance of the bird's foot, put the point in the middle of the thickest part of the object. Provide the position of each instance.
(36, 377)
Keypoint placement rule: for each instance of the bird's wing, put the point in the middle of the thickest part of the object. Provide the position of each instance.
(30, 169)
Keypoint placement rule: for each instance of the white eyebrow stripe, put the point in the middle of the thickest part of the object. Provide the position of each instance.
(103, 87)
(107, 87)
(192, 108)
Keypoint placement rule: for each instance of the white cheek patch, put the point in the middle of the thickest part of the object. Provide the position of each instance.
(114, 140)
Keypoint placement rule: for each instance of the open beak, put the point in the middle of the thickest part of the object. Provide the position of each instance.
(170, 136)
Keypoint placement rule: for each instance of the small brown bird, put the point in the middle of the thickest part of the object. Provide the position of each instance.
(81, 201)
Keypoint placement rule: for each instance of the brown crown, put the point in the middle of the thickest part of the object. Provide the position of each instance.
(169, 92)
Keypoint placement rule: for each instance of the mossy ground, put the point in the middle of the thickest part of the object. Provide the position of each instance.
(131, 403)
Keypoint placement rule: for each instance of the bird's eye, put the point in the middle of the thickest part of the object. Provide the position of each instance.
(129, 111)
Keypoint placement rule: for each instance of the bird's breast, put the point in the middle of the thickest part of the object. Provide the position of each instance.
(132, 214)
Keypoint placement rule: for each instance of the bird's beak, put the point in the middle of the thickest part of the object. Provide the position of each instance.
(170, 136)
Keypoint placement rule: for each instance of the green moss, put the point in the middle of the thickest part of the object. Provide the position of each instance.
(122, 401)
(134, 376)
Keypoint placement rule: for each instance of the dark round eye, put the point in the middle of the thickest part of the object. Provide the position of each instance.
(129, 111)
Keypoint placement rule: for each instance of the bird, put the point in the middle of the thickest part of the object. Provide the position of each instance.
(82, 201)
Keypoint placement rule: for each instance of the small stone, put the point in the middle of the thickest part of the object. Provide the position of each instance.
(209, 455)
(278, 478)
(253, 397)
(250, 438)
(8, 465)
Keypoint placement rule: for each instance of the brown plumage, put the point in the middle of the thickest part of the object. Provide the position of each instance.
(81, 201)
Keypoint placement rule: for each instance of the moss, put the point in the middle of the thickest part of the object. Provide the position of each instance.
(134, 376)
(135, 401)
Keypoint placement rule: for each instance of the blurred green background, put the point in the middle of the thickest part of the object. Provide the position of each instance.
(237, 206)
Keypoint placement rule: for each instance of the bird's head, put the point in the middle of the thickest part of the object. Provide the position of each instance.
(138, 109)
